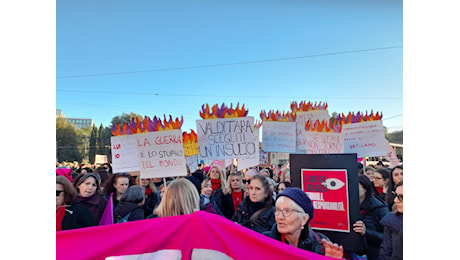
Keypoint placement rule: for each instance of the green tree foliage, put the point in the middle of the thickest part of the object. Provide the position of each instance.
(125, 118)
(93, 144)
(396, 137)
(67, 141)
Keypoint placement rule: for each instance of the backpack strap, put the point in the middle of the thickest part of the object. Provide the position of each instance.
(322, 248)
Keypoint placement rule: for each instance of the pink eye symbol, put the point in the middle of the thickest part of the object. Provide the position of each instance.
(333, 184)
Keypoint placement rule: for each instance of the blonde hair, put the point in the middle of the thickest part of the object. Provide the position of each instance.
(223, 180)
(180, 198)
(239, 175)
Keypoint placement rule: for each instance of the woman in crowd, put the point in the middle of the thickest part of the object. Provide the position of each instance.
(392, 244)
(256, 211)
(372, 211)
(89, 195)
(117, 184)
(207, 200)
(381, 179)
(247, 179)
(130, 206)
(369, 172)
(293, 212)
(152, 197)
(228, 203)
(70, 214)
(180, 198)
(282, 186)
(396, 176)
(217, 178)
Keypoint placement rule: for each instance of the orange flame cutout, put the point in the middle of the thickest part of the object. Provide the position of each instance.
(303, 106)
(277, 116)
(190, 142)
(136, 126)
(223, 111)
(330, 126)
(358, 118)
(257, 124)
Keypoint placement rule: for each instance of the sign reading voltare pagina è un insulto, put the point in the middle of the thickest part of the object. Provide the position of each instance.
(327, 188)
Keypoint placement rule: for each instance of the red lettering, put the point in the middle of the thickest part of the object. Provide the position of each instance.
(146, 142)
(117, 156)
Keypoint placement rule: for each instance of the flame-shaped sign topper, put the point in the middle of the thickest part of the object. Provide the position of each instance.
(147, 125)
(223, 111)
(303, 106)
(257, 124)
(358, 118)
(190, 138)
(331, 126)
(277, 116)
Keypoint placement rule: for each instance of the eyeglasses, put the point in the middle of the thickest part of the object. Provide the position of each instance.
(246, 181)
(286, 212)
(378, 178)
(58, 192)
(400, 197)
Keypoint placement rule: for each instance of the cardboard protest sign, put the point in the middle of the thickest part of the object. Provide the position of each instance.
(327, 188)
(227, 138)
(302, 118)
(100, 158)
(161, 154)
(190, 143)
(331, 181)
(124, 153)
(323, 143)
(279, 136)
(365, 138)
(192, 162)
(219, 164)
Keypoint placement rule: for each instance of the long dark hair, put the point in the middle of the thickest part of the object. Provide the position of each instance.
(389, 196)
(268, 201)
(108, 186)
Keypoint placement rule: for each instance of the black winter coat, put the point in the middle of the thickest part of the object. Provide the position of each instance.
(225, 203)
(392, 244)
(263, 224)
(151, 201)
(123, 208)
(307, 239)
(374, 211)
(77, 216)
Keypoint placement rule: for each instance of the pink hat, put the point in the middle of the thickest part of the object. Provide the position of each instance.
(252, 172)
(65, 172)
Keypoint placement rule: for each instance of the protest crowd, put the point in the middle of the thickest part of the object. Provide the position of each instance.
(258, 198)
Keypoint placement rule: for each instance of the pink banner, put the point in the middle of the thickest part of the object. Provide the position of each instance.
(189, 236)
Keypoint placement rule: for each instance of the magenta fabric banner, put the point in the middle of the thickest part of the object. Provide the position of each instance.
(107, 215)
(192, 236)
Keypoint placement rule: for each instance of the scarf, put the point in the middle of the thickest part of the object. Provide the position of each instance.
(148, 191)
(379, 190)
(60, 213)
(237, 196)
(215, 184)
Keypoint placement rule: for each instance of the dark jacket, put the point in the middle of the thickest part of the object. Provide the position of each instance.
(307, 239)
(151, 201)
(77, 216)
(123, 208)
(95, 203)
(373, 212)
(262, 224)
(225, 203)
(392, 244)
(209, 205)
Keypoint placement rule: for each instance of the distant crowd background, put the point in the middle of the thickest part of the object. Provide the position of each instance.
(259, 198)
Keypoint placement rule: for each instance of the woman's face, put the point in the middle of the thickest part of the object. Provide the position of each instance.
(378, 180)
(206, 188)
(399, 203)
(145, 182)
(121, 184)
(88, 187)
(60, 198)
(281, 187)
(214, 173)
(362, 193)
(370, 175)
(257, 193)
(247, 178)
(236, 182)
(292, 223)
(397, 175)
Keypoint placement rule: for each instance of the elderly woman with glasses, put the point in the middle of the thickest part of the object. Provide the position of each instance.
(293, 212)
(70, 214)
